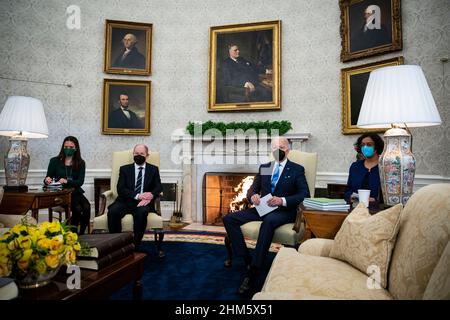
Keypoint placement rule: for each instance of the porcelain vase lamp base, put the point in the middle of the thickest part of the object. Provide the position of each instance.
(17, 161)
(397, 167)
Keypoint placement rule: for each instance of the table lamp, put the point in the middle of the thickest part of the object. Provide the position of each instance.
(397, 97)
(20, 119)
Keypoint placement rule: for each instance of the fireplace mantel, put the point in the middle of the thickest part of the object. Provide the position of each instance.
(181, 136)
(198, 159)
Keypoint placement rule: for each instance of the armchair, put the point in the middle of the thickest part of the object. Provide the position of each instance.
(154, 219)
(288, 234)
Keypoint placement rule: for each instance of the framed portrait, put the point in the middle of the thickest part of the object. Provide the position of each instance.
(126, 107)
(245, 67)
(128, 47)
(370, 27)
(354, 82)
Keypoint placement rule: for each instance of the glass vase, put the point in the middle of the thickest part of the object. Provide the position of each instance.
(34, 280)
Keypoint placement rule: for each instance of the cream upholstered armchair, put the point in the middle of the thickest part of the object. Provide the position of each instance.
(289, 234)
(154, 219)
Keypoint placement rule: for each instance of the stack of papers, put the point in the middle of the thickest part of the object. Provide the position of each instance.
(326, 204)
(54, 186)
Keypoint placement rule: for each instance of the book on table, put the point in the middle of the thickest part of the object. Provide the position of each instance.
(97, 264)
(324, 201)
(103, 243)
(326, 204)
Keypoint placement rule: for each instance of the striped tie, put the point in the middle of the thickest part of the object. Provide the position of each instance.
(137, 190)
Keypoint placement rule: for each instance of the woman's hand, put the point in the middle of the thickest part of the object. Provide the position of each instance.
(62, 181)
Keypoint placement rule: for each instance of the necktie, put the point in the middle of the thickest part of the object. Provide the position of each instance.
(275, 176)
(139, 182)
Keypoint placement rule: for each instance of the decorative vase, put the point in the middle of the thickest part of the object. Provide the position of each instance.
(34, 280)
(397, 167)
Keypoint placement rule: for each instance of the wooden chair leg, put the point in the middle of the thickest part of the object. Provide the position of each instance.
(228, 262)
(159, 237)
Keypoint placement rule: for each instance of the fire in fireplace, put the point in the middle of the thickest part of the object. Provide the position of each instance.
(224, 193)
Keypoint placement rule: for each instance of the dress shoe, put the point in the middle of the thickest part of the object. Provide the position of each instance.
(245, 286)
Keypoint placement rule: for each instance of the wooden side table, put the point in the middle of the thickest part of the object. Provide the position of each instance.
(21, 202)
(323, 224)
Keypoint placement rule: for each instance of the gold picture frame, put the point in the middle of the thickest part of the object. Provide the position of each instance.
(369, 27)
(128, 47)
(245, 67)
(354, 81)
(126, 107)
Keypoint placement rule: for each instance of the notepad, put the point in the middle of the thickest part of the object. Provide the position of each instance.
(263, 208)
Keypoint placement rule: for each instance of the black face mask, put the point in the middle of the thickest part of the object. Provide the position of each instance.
(139, 159)
(279, 155)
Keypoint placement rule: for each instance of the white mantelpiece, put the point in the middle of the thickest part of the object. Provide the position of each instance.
(221, 154)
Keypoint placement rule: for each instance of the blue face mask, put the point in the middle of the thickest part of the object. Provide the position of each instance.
(368, 151)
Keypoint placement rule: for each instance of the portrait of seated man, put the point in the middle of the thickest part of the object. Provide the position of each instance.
(239, 79)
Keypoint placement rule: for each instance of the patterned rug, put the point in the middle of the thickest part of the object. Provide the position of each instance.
(202, 237)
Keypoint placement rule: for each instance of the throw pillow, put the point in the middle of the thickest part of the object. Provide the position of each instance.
(366, 241)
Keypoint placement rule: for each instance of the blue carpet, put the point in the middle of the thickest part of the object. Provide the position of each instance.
(191, 271)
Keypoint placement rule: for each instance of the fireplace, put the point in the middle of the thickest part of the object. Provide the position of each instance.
(224, 192)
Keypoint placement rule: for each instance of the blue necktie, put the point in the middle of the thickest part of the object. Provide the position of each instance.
(275, 176)
(137, 190)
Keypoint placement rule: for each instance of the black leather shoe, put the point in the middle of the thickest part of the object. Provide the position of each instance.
(245, 286)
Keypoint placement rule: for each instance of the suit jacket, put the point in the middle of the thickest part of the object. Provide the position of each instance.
(133, 60)
(117, 119)
(126, 183)
(291, 185)
(237, 73)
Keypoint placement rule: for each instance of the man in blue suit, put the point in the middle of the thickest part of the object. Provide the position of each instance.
(286, 181)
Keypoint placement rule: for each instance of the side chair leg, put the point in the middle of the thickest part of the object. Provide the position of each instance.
(228, 262)
(159, 237)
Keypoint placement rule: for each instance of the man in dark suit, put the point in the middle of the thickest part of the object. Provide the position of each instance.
(239, 79)
(138, 186)
(130, 57)
(123, 117)
(286, 182)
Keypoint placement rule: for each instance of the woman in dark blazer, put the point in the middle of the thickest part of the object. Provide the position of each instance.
(68, 168)
(364, 174)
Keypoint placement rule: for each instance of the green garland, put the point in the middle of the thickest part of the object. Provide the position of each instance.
(282, 126)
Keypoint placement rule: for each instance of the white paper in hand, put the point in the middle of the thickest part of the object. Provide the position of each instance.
(263, 208)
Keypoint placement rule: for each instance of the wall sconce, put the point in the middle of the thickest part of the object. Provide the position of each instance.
(20, 119)
(396, 97)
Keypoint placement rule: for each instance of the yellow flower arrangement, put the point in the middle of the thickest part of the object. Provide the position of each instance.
(34, 250)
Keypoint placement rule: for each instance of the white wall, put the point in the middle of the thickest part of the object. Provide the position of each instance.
(37, 46)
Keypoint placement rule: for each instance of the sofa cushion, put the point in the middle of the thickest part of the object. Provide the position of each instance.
(421, 242)
(316, 247)
(366, 241)
(300, 276)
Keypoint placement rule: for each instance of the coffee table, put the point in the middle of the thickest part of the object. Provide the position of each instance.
(322, 224)
(94, 284)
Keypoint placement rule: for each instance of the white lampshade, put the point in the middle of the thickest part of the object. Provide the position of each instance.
(23, 115)
(398, 95)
